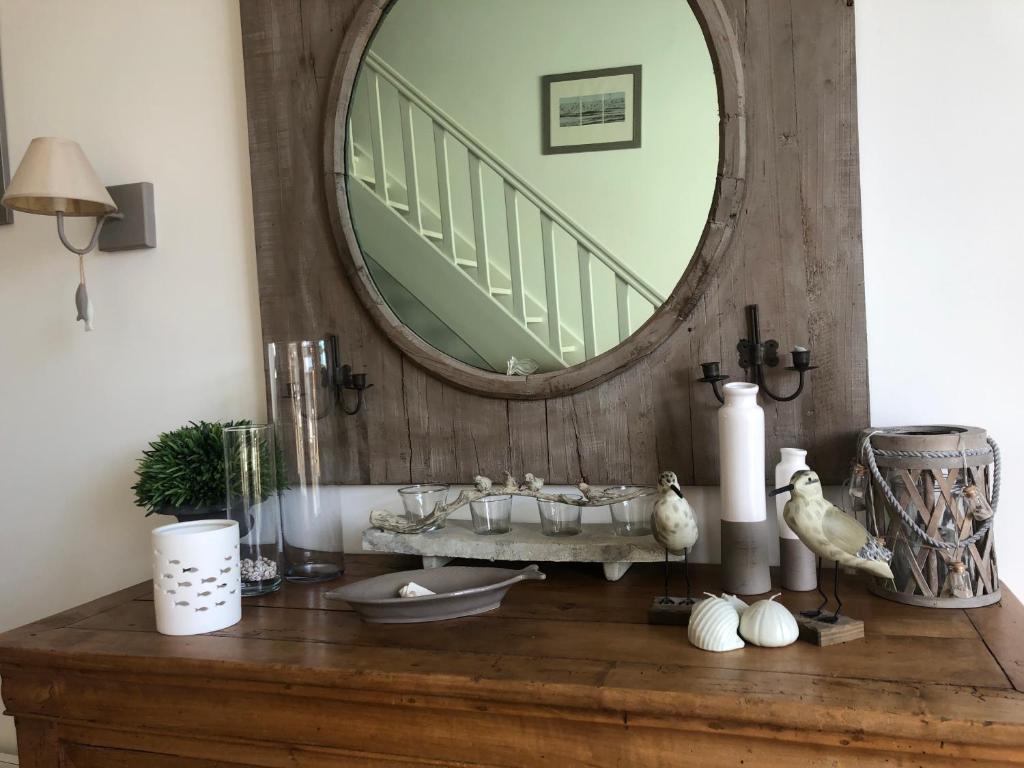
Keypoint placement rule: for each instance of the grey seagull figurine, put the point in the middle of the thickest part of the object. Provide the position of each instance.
(673, 525)
(829, 532)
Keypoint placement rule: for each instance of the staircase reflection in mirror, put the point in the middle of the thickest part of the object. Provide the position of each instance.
(483, 246)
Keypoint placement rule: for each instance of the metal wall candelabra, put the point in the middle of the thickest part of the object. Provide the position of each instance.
(754, 356)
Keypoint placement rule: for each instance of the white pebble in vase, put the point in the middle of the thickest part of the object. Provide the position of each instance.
(196, 579)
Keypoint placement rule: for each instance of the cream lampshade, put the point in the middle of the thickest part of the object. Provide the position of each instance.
(55, 177)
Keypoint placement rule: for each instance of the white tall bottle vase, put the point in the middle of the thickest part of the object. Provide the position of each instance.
(744, 509)
(798, 562)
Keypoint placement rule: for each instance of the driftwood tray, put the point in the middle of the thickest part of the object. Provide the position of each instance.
(596, 544)
(461, 591)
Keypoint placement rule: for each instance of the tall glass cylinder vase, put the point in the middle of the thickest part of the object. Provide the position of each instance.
(251, 466)
(299, 401)
(744, 504)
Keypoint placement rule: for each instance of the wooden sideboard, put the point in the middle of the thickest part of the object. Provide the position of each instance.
(567, 672)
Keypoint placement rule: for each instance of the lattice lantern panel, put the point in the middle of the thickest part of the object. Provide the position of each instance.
(932, 496)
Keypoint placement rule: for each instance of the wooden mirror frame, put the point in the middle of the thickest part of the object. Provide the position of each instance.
(722, 219)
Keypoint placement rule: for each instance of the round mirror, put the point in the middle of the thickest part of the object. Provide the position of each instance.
(527, 181)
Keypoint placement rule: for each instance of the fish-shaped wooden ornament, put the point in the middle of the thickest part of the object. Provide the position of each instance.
(83, 305)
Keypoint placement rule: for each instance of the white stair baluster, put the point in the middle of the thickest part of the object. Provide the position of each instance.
(444, 191)
(587, 301)
(622, 307)
(380, 178)
(515, 254)
(412, 186)
(551, 284)
(476, 194)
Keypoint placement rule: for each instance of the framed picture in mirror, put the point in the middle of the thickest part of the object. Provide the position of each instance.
(590, 111)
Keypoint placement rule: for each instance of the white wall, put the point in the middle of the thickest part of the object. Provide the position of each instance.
(153, 91)
(941, 169)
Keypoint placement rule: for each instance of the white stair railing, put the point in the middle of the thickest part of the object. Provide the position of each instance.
(515, 188)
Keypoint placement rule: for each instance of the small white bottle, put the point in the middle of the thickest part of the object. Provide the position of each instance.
(799, 569)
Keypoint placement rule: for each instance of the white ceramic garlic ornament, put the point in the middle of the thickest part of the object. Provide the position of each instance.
(768, 624)
(735, 602)
(713, 625)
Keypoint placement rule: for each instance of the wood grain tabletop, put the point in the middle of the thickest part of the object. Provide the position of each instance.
(566, 671)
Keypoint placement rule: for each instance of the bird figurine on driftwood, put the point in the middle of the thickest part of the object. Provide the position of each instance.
(532, 483)
(829, 532)
(673, 526)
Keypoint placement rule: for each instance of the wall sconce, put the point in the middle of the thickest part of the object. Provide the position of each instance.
(340, 378)
(754, 356)
(55, 178)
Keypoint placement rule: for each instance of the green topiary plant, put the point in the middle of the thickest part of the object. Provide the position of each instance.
(185, 468)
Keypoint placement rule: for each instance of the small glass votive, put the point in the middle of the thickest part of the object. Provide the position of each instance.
(557, 519)
(491, 515)
(633, 516)
(420, 500)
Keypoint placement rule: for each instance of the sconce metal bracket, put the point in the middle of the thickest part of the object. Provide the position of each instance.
(754, 356)
(340, 377)
(136, 227)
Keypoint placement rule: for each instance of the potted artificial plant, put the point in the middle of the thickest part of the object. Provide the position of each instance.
(183, 473)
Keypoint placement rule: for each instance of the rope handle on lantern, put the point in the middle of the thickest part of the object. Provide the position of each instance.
(869, 454)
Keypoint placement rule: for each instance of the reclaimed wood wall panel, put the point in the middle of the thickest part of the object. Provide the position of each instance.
(796, 252)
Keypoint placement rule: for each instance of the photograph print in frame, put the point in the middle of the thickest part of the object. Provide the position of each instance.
(590, 111)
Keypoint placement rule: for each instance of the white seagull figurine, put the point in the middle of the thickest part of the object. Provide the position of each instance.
(829, 532)
(673, 525)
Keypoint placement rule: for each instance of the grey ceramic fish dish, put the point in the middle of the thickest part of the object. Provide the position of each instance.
(459, 591)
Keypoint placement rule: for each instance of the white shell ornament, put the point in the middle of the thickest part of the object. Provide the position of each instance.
(735, 602)
(713, 625)
(769, 624)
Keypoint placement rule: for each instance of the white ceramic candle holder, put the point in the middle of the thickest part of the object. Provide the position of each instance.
(196, 584)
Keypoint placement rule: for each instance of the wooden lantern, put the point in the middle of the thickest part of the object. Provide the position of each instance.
(932, 499)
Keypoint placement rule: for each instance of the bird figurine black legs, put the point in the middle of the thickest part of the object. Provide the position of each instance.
(675, 528)
(815, 613)
(830, 533)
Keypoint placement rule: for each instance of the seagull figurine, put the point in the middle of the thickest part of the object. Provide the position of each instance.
(829, 532)
(673, 526)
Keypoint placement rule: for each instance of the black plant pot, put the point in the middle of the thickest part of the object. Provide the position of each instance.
(209, 512)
